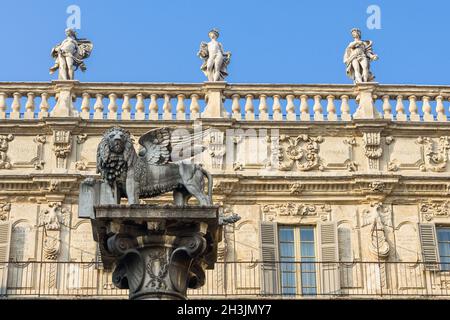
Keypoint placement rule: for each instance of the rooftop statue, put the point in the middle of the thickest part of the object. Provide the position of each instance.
(357, 58)
(215, 60)
(153, 171)
(69, 55)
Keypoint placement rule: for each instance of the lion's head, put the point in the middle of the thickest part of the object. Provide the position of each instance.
(115, 154)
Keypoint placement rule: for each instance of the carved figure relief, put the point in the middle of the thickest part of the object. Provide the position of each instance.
(4, 144)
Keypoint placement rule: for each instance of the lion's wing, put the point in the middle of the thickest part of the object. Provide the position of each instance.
(166, 145)
(157, 146)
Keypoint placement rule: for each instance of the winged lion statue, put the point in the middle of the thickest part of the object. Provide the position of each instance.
(154, 170)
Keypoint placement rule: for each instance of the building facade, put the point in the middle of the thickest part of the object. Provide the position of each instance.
(342, 190)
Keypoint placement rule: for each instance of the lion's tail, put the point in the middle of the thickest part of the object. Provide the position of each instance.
(210, 183)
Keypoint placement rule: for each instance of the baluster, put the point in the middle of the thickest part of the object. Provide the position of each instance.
(317, 108)
(3, 105)
(440, 110)
(153, 107)
(194, 107)
(331, 108)
(140, 107)
(98, 106)
(345, 108)
(126, 107)
(426, 107)
(277, 115)
(249, 109)
(85, 105)
(44, 106)
(414, 114)
(15, 112)
(112, 106)
(263, 114)
(167, 108)
(387, 108)
(29, 106)
(400, 109)
(304, 108)
(235, 107)
(290, 108)
(180, 107)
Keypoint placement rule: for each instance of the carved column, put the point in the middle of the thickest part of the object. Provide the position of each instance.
(158, 251)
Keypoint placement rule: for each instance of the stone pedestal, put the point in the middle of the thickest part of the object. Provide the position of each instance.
(157, 252)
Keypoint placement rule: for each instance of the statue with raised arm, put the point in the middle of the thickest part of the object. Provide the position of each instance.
(215, 60)
(357, 58)
(69, 55)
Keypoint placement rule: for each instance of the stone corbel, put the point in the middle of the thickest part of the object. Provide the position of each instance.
(372, 149)
(62, 146)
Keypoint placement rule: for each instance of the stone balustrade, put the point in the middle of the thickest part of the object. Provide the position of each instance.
(274, 102)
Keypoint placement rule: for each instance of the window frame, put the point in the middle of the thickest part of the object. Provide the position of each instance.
(447, 264)
(299, 289)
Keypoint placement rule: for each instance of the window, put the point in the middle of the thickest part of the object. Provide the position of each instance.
(443, 238)
(297, 256)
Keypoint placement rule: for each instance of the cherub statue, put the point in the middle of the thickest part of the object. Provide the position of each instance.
(215, 60)
(357, 58)
(69, 55)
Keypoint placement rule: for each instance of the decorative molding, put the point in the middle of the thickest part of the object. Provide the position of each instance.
(4, 145)
(237, 166)
(297, 188)
(62, 146)
(299, 153)
(435, 161)
(395, 165)
(349, 164)
(377, 186)
(53, 217)
(81, 165)
(271, 211)
(53, 185)
(372, 148)
(5, 209)
(157, 267)
(434, 209)
(216, 148)
(81, 138)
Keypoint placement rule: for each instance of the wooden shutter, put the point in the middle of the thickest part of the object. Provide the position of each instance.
(270, 259)
(329, 258)
(427, 232)
(5, 239)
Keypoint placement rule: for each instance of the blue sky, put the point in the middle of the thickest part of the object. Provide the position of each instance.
(271, 41)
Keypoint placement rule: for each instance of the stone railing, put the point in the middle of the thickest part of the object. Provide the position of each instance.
(170, 101)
